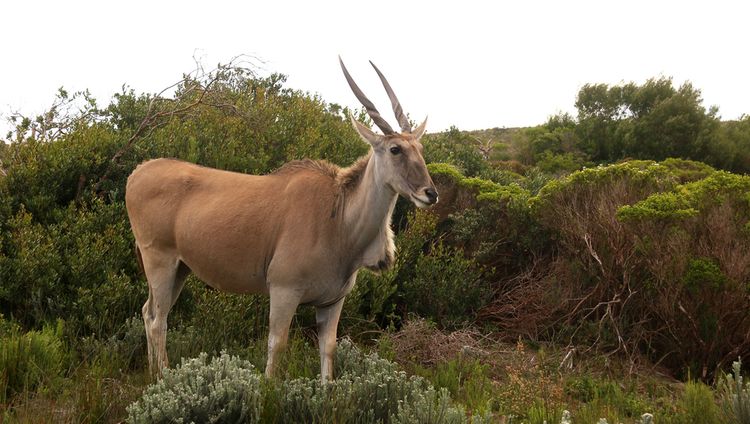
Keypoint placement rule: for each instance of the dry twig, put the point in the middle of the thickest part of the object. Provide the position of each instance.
(198, 81)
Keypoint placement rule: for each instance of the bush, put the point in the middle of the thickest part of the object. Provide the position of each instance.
(123, 350)
(81, 267)
(693, 249)
(45, 176)
(65, 244)
(446, 287)
(431, 407)
(224, 390)
(697, 405)
(688, 170)
(457, 148)
(378, 297)
(220, 320)
(368, 389)
(30, 361)
(562, 163)
(575, 249)
(465, 378)
(734, 393)
(489, 221)
(31, 271)
(660, 267)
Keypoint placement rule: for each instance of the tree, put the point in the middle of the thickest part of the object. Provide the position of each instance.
(650, 121)
(732, 149)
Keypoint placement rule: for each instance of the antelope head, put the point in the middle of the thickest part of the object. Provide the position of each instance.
(398, 155)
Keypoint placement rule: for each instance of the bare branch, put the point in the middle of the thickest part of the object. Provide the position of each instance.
(197, 81)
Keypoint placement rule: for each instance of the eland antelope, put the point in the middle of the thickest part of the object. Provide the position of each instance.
(299, 234)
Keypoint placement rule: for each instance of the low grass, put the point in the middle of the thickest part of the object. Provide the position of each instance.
(522, 382)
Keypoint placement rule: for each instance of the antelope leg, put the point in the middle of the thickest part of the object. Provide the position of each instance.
(327, 318)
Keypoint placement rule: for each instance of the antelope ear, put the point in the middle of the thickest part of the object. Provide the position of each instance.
(367, 135)
(419, 131)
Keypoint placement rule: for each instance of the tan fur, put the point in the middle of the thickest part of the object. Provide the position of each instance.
(345, 178)
(190, 209)
(299, 234)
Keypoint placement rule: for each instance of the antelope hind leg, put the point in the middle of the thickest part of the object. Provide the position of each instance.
(166, 277)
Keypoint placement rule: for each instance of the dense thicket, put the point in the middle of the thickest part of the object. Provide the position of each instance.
(646, 257)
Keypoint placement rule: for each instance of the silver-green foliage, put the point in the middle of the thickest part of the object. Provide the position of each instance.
(735, 396)
(431, 406)
(368, 389)
(225, 390)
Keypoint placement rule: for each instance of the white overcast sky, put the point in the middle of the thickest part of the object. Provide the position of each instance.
(473, 64)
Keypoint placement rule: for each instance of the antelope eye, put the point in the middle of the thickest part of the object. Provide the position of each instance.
(395, 150)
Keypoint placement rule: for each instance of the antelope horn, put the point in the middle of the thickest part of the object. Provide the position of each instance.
(371, 110)
(397, 110)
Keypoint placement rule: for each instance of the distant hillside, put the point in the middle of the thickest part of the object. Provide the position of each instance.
(496, 135)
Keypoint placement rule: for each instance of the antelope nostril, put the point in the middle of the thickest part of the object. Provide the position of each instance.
(431, 194)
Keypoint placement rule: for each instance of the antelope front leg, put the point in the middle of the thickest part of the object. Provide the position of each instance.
(283, 306)
(327, 318)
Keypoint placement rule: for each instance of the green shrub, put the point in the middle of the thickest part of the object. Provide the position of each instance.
(446, 169)
(487, 190)
(502, 176)
(372, 299)
(446, 287)
(629, 181)
(376, 297)
(82, 267)
(466, 380)
(31, 272)
(457, 148)
(225, 319)
(693, 249)
(102, 281)
(45, 176)
(697, 405)
(30, 361)
(124, 350)
(704, 274)
(560, 163)
(661, 206)
(677, 253)
(225, 389)
(489, 219)
(694, 198)
(688, 170)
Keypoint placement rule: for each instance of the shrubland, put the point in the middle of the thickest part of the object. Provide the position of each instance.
(592, 263)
